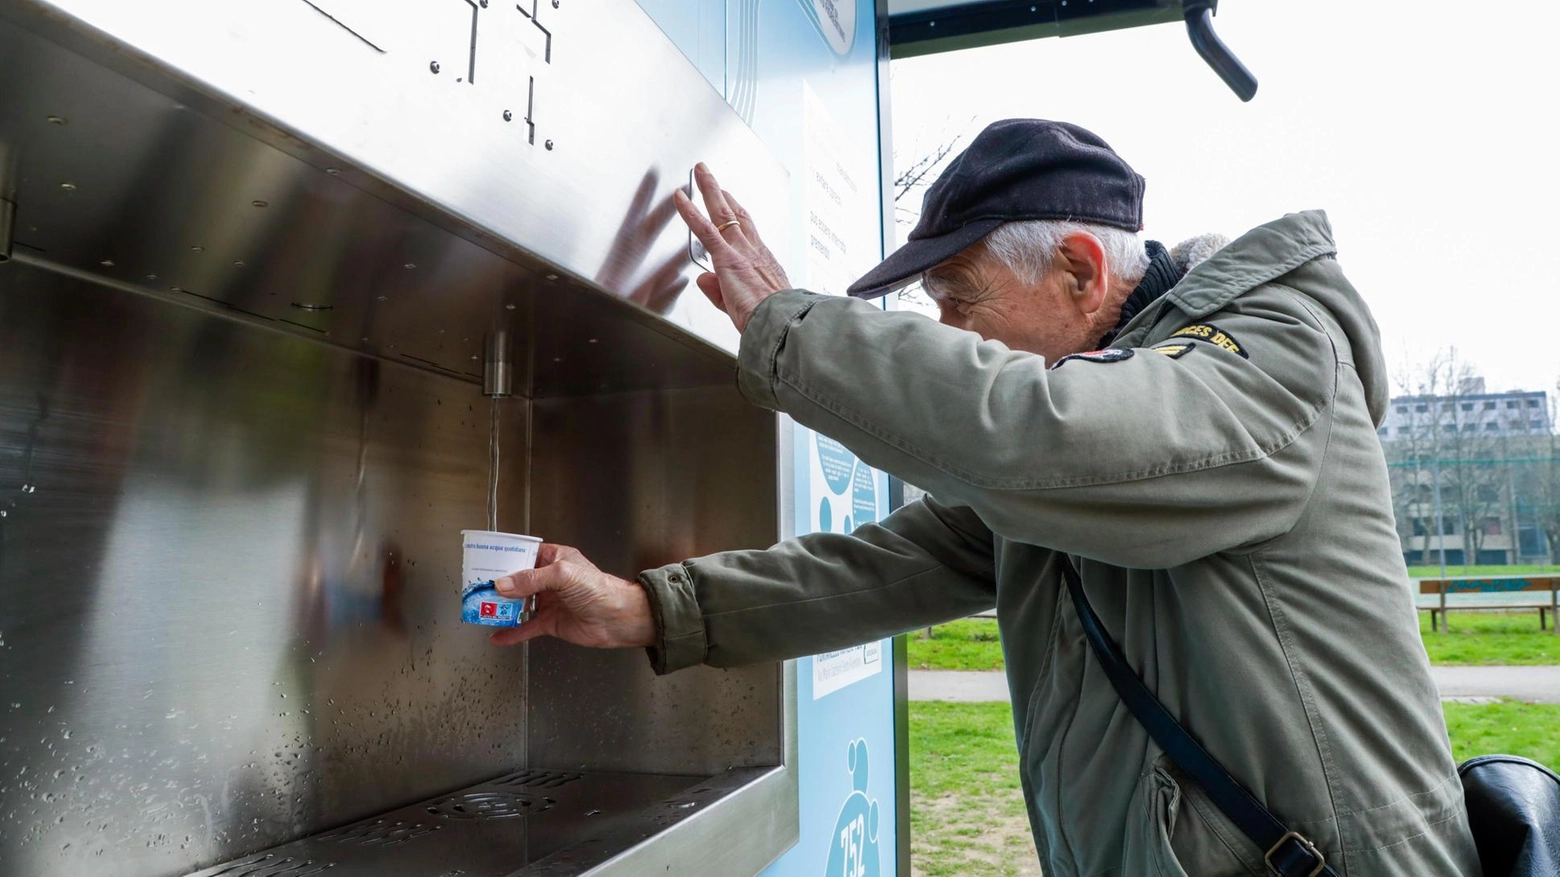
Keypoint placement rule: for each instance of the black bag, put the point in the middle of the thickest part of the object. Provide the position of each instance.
(1513, 803)
(1514, 811)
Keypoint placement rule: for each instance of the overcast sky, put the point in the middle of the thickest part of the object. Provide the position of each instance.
(1426, 130)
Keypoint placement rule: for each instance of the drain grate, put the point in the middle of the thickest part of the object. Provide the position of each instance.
(270, 865)
(539, 779)
(379, 833)
(489, 805)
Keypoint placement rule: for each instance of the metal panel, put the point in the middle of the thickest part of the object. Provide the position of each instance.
(925, 27)
(576, 167)
(257, 248)
(226, 585)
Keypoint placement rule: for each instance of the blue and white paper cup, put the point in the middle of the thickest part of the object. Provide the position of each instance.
(489, 556)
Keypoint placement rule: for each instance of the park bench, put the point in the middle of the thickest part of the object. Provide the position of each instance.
(1492, 585)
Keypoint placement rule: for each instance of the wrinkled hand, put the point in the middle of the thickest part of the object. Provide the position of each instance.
(746, 272)
(578, 603)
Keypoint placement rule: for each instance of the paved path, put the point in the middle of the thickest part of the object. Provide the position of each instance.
(1532, 684)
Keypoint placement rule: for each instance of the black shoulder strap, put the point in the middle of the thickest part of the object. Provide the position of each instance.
(1288, 853)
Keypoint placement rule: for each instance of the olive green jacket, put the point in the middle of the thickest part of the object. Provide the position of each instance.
(1220, 486)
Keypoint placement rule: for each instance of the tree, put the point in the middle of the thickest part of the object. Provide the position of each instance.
(1544, 484)
(1450, 456)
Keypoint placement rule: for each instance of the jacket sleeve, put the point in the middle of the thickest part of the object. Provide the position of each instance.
(1140, 459)
(924, 564)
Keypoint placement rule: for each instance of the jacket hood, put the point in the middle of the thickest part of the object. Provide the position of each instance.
(1269, 252)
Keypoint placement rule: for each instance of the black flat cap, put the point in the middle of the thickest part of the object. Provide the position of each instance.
(1016, 169)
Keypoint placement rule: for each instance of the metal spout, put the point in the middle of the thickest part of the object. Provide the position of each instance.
(498, 366)
(7, 226)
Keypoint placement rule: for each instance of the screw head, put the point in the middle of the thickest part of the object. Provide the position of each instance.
(548, 144)
(508, 116)
(555, 4)
(433, 66)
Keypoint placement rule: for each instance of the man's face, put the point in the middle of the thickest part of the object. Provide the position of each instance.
(974, 291)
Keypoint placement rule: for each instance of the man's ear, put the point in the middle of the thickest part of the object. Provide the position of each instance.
(1084, 272)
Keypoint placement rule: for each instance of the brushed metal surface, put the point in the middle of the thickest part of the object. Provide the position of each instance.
(670, 476)
(228, 580)
(257, 246)
(326, 113)
(255, 638)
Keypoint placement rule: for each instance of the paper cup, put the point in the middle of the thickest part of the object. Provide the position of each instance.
(489, 556)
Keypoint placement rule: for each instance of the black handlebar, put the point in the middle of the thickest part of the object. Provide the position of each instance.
(1199, 26)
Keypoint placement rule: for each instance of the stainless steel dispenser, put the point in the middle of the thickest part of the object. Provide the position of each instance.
(255, 251)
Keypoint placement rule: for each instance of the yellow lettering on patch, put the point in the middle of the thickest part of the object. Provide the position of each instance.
(1213, 335)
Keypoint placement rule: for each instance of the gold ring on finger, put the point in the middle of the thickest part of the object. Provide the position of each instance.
(728, 224)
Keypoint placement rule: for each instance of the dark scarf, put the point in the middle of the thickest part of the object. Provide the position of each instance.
(1162, 275)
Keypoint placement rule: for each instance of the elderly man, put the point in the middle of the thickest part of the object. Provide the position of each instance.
(1200, 444)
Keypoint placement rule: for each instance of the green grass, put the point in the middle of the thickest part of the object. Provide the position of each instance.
(970, 644)
(967, 808)
(1433, 571)
(1490, 638)
(1475, 638)
(967, 812)
(1508, 727)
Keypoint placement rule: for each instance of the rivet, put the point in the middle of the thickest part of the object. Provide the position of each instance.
(197, 249)
(69, 187)
(57, 120)
(364, 339)
(409, 265)
(557, 359)
(509, 307)
(238, 263)
(333, 171)
(107, 263)
(548, 144)
(151, 277)
(258, 203)
(384, 298)
(555, 4)
(433, 66)
(552, 277)
(175, 289)
(591, 341)
(508, 116)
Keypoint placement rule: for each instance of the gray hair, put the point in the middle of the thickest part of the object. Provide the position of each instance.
(1026, 247)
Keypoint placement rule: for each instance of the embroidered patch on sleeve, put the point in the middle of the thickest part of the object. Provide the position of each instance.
(1109, 354)
(1175, 351)
(1213, 335)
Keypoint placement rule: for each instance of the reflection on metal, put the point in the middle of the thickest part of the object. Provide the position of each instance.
(498, 367)
(7, 227)
(241, 422)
